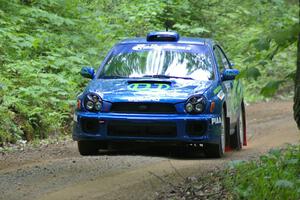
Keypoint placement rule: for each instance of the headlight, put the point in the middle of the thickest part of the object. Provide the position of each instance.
(95, 98)
(93, 102)
(89, 105)
(195, 104)
(189, 107)
(98, 106)
(199, 107)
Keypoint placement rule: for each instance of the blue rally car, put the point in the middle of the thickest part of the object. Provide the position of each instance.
(162, 89)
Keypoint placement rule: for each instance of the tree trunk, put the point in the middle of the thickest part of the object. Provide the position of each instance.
(297, 82)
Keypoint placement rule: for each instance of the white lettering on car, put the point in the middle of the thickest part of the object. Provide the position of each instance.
(158, 47)
(142, 98)
(216, 120)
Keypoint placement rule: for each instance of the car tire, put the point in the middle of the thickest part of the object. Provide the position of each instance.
(238, 137)
(86, 148)
(218, 150)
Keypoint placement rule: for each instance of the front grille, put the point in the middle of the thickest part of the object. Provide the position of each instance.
(131, 129)
(90, 125)
(196, 128)
(150, 108)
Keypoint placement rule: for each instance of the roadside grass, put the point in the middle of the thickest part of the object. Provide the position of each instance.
(275, 175)
(22, 145)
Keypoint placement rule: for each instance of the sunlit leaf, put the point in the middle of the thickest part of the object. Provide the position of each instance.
(284, 184)
(262, 44)
(250, 73)
(271, 88)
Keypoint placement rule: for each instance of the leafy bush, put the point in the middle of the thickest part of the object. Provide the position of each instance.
(273, 176)
(44, 43)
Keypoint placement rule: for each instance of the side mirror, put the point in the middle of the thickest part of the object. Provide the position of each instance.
(229, 74)
(87, 72)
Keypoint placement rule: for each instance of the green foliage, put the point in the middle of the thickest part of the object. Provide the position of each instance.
(44, 43)
(259, 35)
(251, 72)
(270, 88)
(274, 176)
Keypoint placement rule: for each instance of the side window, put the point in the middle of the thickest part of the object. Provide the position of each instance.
(224, 59)
(219, 58)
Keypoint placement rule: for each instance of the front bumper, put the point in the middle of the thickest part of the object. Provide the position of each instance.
(177, 128)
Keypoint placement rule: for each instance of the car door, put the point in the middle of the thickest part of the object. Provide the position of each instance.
(227, 85)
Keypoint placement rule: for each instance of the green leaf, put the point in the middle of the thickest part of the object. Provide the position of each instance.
(293, 162)
(291, 75)
(236, 163)
(271, 88)
(284, 184)
(286, 36)
(249, 73)
(262, 44)
(199, 30)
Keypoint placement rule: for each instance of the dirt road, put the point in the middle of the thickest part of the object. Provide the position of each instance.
(59, 172)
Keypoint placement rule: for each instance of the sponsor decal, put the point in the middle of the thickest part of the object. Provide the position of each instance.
(147, 86)
(221, 95)
(216, 120)
(217, 89)
(142, 98)
(159, 47)
(227, 85)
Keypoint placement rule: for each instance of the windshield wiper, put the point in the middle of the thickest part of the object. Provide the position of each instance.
(166, 76)
(145, 76)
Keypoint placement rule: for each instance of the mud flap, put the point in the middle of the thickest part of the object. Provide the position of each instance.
(245, 126)
(228, 149)
(245, 136)
(227, 146)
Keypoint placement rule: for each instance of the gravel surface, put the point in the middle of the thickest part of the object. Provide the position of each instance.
(57, 171)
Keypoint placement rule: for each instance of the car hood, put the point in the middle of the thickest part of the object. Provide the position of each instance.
(147, 90)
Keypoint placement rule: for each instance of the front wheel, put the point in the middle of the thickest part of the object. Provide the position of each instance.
(217, 150)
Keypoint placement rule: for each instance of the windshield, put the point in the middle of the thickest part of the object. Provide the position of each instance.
(159, 61)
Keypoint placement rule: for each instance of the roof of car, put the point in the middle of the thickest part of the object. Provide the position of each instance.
(182, 40)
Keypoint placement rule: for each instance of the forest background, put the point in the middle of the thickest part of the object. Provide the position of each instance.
(44, 44)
